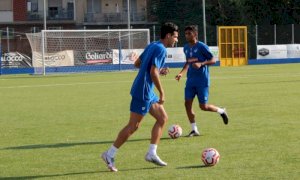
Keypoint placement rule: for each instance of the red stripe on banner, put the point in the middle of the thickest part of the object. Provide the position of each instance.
(99, 61)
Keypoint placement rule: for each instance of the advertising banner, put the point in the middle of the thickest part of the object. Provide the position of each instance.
(62, 58)
(293, 50)
(173, 55)
(15, 60)
(215, 51)
(99, 57)
(127, 56)
(177, 54)
(271, 51)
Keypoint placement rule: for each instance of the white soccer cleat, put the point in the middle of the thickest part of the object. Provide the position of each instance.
(193, 133)
(110, 162)
(155, 159)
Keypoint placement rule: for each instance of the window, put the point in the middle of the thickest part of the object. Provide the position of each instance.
(133, 6)
(35, 29)
(124, 3)
(32, 6)
(94, 6)
(11, 33)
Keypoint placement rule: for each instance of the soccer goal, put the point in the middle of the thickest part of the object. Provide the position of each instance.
(71, 51)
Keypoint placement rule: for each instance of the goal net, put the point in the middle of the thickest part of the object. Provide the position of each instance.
(71, 51)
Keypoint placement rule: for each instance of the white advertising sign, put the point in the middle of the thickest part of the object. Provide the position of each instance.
(215, 51)
(293, 50)
(62, 58)
(127, 55)
(271, 51)
(175, 55)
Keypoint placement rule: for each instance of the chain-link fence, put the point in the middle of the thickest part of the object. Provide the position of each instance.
(14, 40)
(257, 35)
(272, 35)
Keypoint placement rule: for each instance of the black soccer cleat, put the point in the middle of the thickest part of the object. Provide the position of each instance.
(224, 117)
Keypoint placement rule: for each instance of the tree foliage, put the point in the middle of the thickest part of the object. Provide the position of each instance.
(227, 12)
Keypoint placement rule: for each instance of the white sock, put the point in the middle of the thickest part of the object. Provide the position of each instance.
(152, 149)
(112, 151)
(220, 110)
(194, 126)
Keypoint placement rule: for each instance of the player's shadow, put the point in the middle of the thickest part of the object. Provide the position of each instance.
(51, 175)
(71, 144)
(192, 167)
(271, 82)
(73, 174)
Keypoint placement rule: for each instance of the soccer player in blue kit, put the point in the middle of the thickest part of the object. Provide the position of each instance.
(198, 59)
(144, 100)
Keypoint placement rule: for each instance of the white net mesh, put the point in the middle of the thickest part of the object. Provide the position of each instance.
(85, 50)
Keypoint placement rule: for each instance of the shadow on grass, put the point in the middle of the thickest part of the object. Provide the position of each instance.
(192, 167)
(73, 174)
(65, 145)
(50, 175)
(271, 82)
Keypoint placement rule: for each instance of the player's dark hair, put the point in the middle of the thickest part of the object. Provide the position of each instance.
(191, 28)
(166, 28)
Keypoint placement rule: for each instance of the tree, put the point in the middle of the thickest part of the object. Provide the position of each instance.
(223, 12)
(228, 12)
(270, 12)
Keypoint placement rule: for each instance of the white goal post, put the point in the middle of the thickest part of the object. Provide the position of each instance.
(70, 51)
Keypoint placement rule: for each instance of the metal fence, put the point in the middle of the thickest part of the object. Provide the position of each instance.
(136, 17)
(51, 15)
(257, 35)
(272, 35)
(15, 41)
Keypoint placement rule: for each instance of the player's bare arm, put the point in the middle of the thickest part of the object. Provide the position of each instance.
(209, 62)
(137, 63)
(184, 69)
(154, 73)
(198, 65)
(164, 71)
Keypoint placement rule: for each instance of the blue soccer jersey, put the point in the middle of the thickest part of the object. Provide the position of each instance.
(197, 53)
(143, 86)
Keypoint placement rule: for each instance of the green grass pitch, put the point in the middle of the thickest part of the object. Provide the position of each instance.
(55, 127)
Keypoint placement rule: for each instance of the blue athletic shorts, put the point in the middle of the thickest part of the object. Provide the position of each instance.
(202, 93)
(142, 107)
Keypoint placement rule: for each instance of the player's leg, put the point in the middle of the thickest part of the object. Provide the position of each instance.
(189, 110)
(123, 135)
(202, 94)
(161, 117)
(158, 112)
(137, 112)
(129, 129)
(189, 94)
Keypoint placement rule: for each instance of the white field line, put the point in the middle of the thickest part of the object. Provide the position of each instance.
(66, 84)
(162, 79)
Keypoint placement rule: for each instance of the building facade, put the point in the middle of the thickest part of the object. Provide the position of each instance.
(18, 17)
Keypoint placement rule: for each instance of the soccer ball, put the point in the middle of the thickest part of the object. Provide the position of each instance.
(210, 157)
(175, 131)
